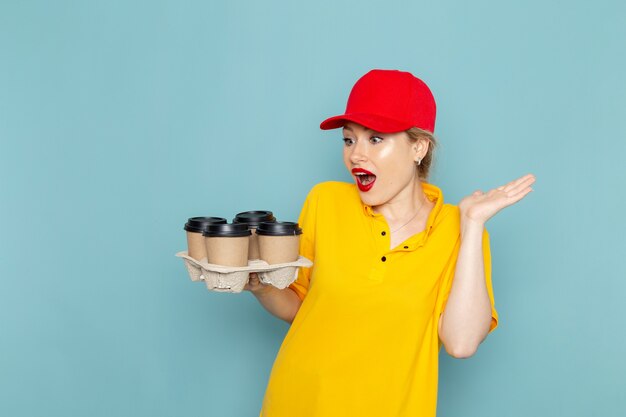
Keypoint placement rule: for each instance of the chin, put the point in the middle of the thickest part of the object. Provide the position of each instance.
(371, 199)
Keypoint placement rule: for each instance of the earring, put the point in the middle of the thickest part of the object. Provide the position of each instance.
(419, 161)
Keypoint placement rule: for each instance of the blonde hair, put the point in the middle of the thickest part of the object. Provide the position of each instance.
(416, 134)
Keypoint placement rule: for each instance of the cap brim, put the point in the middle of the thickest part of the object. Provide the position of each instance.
(371, 121)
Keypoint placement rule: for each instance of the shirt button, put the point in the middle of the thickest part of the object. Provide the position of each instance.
(383, 233)
(384, 258)
(406, 247)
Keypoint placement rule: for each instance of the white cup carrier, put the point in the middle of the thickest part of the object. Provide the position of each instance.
(233, 279)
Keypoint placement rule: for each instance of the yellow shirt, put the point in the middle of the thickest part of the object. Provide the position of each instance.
(365, 342)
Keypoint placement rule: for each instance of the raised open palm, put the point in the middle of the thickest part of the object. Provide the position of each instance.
(480, 206)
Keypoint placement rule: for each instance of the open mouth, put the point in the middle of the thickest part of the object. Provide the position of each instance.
(364, 179)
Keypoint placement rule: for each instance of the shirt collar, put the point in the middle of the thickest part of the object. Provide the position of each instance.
(433, 193)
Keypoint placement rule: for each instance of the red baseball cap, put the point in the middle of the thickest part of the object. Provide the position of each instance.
(388, 101)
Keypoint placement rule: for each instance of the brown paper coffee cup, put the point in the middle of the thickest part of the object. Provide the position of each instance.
(279, 249)
(195, 246)
(227, 251)
(195, 241)
(227, 244)
(253, 219)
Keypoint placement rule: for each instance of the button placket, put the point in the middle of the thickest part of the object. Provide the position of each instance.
(380, 234)
(379, 267)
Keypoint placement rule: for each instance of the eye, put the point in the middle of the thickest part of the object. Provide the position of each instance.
(348, 141)
(376, 139)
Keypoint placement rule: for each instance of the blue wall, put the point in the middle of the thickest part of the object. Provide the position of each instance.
(118, 120)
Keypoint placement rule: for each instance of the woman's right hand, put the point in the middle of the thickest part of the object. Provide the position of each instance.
(254, 284)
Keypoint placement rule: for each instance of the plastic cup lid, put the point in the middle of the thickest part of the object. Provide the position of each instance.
(279, 229)
(227, 230)
(253, 218)
(199, 224)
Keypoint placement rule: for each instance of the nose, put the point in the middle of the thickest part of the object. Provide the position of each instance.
(358, 152)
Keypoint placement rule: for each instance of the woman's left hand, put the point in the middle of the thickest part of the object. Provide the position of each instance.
(480, 207)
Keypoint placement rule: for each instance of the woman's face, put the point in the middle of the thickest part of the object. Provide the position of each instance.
(382, 164)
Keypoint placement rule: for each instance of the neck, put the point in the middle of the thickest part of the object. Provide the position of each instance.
(405, 204)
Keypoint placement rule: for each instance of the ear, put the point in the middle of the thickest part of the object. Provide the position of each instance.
(420, 149)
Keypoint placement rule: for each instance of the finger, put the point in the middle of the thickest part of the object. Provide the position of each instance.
(522, 192)
(528, 178)
(477, 192)
(518, 196)
(253, 282)
(516, 182)
(521, 186)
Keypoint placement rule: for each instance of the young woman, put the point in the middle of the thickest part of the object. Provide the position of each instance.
(397, 272)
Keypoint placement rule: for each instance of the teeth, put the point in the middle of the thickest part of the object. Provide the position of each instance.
(365, 178)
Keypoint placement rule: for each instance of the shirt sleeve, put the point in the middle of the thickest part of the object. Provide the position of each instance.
(307, 243)
(449, 277)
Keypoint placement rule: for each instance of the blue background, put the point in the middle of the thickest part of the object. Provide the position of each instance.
(121, 119)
